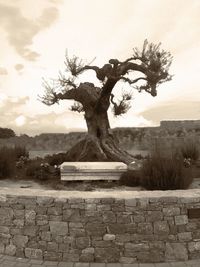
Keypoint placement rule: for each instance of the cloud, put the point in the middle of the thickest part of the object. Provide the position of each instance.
(19, 67)
(21, 30)
(173, 111)
(3, 71)
(12, 115)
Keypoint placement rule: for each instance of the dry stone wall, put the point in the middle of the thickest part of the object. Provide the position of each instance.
(121, 227)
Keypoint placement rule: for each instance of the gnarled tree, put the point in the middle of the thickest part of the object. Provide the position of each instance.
(150, 67)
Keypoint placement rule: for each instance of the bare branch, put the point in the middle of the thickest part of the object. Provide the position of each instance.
(74, 65)
(123, 106)
(66, 82)
(126, 79)
(51, 97)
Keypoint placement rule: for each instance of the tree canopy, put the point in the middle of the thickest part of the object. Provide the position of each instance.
(143, 71)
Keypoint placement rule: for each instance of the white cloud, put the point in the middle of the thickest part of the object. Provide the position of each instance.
(21, 30)
(3, 71)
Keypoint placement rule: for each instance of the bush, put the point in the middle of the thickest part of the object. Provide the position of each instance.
(6, 133)
(190, 151)
(130, 178)
(38, 170)
(165, 173)
(20, 151)
(56, 159)
(7, 162)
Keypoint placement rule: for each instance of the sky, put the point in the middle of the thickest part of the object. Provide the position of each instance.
(36, 34)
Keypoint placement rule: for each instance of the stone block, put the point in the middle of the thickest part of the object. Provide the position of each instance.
(128, 260)
(103, 207)
(42, 245)
(90, 206)
(52, 256)
(171, 211)
(194, 246)
(145, 228)
(30, 215)
(30, 230)
(109, 237)
(157, 245)
(86, 257)
(71, 171)
(95, 229)
(131, 202)
(52, 246)
(109, 217)
(82, 242)
(45, 235)
(102, 243)
(71, 215)
(71, 257)
(150, 257)
(186, 236)
(33, 253)
(136, 246)
(10, 250)
(176, 252)
(18, 213)
(107, 254)
(6, 216)
(89, 250)
(181, 219)
(130, 228)
(75, 225)
(161, 228)
(63, 247)
(124, 217)
(45, 201)
(2, 248)
(77, 232)
(123, 238)
(4, 230)
(153, 216)
(116, 228)
(92, 216)
(20, 241)
(18, 222)
(54, 211)
(58, 228)
(139, 218)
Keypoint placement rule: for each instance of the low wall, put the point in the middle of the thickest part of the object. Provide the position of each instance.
(156, 226)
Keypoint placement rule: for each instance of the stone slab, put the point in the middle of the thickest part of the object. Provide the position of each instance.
(75, 171)
(84, 166)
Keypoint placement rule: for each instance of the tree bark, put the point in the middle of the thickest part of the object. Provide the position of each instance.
(99, 144)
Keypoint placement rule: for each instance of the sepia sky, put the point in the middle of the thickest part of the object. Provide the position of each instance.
(35, 35)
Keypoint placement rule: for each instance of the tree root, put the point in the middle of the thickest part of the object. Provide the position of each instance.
(94, 149)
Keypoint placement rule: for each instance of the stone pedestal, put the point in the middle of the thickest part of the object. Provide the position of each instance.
(77, 171)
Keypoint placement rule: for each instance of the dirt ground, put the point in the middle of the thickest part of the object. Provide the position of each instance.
(81, 186)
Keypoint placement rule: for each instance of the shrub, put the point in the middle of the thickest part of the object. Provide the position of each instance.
(7, 162)
(6, 133)
(190, 150)
(37, 170)
(56, 159)
(20, 151)
(130, 178)
(165, 173)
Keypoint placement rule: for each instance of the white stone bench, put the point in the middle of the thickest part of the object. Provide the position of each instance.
(77, 171)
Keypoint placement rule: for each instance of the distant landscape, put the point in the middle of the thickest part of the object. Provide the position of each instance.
(137, 140)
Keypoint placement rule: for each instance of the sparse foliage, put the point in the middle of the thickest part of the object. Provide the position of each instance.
(165, 173)
(190, 150)
(149, 67)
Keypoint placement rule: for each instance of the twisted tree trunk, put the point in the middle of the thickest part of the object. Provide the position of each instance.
(99, 144)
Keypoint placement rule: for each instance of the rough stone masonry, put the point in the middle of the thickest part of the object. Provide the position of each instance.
(124, 227)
